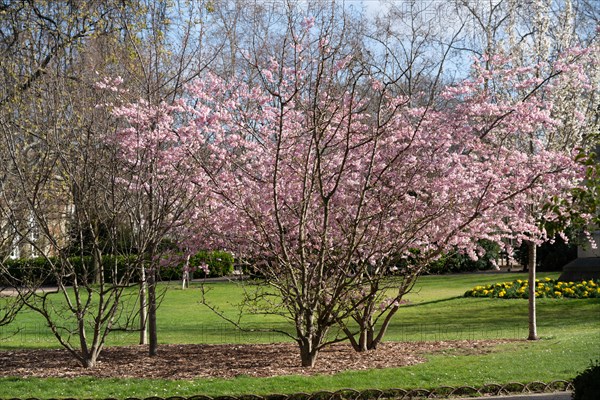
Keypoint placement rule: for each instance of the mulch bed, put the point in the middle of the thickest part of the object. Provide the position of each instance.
(192, 361)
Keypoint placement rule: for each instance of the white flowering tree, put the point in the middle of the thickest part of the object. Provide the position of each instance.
(533, 37)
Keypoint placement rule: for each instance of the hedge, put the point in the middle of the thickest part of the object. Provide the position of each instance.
(43, 271)
(40, 270)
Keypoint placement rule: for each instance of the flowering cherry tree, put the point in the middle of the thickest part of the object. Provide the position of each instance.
(322, 171)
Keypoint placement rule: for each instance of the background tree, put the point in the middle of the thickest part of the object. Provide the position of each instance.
(164, 191)
(52, 51)
(532, 35)
(60, 183)
(169, 46)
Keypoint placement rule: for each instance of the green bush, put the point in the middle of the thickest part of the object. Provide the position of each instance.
(459, 262)
(220, 263)
(26, 271)
(551, 255)
(587, 384)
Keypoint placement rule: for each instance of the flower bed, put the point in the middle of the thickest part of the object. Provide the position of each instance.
(519, 289)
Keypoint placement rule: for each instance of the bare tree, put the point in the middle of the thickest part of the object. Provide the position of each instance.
(60, 194)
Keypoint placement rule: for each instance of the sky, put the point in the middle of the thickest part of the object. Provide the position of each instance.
(372, 6)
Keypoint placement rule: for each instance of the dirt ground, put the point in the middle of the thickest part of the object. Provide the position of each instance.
(226, 361)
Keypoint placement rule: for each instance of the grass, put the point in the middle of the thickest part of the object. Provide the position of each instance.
(569, 330)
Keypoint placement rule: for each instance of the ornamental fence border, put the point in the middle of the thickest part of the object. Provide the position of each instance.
(265, 332)
(443, 392)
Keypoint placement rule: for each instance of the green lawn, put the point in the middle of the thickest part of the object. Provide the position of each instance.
(570, 331)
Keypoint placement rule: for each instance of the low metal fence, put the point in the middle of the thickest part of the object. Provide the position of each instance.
(444, 392)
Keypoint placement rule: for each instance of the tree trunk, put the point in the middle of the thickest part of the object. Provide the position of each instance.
(89, 360)
(143, 307)
(374, 340)
(152, 331)
(97, 266)
(308, 353)
(367, 337)
(363, 340)
(532, 287)
(366, 340)
(186, 273)
(97, 257)
(87, 357)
